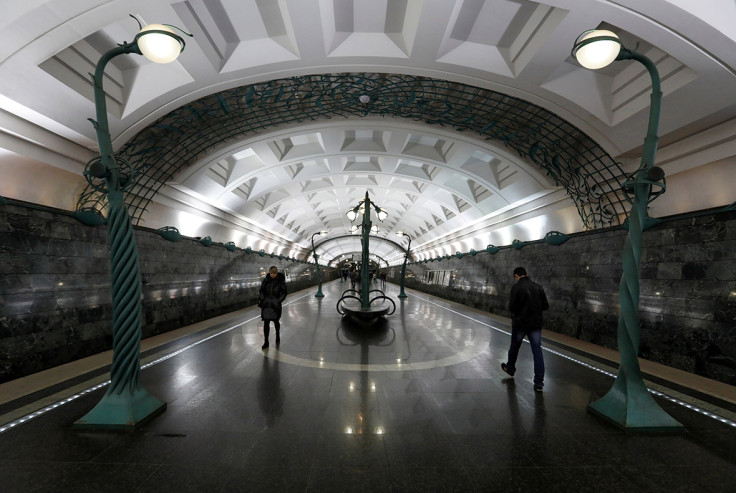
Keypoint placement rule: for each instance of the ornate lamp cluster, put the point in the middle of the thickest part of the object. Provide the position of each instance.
(366, 227)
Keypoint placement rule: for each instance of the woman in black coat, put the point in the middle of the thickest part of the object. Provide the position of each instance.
(270, 297)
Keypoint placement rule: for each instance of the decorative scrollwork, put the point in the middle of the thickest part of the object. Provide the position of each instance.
(97, 174)
(653, 176)
(341, 301)
(372, 312)
(383, 297)
(591, 177)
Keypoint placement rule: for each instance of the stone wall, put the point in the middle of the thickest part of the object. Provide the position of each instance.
(55, 299)
(687, 300)
(55, 287)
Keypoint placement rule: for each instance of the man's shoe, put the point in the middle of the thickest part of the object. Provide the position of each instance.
(505, 368)
(538, 388)
(265, 345)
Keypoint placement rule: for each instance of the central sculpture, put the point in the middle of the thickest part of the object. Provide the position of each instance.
(365, 303)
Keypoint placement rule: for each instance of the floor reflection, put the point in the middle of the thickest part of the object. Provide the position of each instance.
(270, 393)
(418, 336)
(364, 419)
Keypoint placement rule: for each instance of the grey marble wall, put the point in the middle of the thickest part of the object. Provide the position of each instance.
(55, 299)
(55, 287)
(687, 299)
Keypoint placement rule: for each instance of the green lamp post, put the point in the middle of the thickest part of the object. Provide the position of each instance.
(316, 261)
(367, 226)
(126, 404)
(628, 403)
(403, 267)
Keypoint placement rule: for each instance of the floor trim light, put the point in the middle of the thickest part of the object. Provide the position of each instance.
(126, 404)
(628, 403)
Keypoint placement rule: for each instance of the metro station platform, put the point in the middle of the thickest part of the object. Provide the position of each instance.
(415, 403)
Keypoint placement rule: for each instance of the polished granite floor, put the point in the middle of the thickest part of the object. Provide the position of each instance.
(417, 403)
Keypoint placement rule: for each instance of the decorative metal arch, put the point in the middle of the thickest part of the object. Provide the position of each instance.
(356, 237)
(591, 177)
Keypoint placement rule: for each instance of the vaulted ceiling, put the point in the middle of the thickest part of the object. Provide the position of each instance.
(467, 120)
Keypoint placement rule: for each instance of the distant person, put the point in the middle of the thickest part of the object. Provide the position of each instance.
(270, 298)
(383, 281)
(353, 278)
(528, 301)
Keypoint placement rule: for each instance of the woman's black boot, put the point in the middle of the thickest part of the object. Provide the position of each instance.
(266, 330)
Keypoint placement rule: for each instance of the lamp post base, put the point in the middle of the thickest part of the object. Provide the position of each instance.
(401, 295)
(319, 294)
(122, 412)
(630, 406)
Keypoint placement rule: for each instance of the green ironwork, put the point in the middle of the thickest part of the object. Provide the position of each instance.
(89, 217)
(385, 305)
(365, 261)
(169, 233)
(555, 238)
(319, 293)
(126, 404)
(591, 177)
(402, 294)
(628, 403)
(206, 241)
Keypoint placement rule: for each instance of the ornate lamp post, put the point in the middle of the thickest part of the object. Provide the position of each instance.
(125, 404)
(367, 225)
(628, 403)
(316, 261)
(403, 267)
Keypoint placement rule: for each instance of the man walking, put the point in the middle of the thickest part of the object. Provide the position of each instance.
(527, 303)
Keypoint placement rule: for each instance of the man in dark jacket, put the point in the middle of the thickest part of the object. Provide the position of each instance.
(270, 297)
(528, 301)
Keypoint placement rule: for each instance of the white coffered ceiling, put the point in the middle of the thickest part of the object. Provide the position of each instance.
(275, 185)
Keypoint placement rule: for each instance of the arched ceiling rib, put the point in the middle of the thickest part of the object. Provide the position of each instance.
(414, 173)
(348, 247)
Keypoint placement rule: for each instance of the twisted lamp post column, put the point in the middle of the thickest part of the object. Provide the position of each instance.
(628, 403)
(125, 404)
(316, 261)
(403, 266)
(365, 266)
